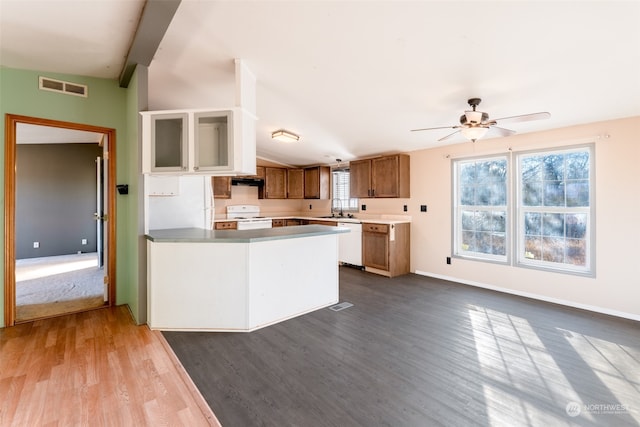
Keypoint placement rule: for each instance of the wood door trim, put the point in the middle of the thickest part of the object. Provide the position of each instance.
(10, 127)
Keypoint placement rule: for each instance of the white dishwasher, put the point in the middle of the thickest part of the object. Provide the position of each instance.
(350, 244)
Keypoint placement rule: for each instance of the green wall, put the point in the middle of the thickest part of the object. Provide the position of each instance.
(108, 105)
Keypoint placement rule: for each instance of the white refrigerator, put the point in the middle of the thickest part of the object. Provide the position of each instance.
(178, 202)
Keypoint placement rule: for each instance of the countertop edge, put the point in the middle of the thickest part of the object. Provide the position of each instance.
(336, 219)
(200, 235)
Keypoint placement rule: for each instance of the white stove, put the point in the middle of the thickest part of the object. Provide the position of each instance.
(248, 217)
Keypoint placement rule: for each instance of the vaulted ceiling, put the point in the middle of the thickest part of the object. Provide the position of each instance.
(353, 77)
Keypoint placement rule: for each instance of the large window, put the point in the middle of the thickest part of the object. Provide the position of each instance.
(481, 215)
(554, 209)
(340, 191)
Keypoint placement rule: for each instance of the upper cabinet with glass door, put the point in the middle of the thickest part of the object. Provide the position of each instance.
(169, 136)
(207, 142)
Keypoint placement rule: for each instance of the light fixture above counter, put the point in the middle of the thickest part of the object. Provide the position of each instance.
(285, 136)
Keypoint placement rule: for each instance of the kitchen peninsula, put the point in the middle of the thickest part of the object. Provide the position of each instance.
(239, 280)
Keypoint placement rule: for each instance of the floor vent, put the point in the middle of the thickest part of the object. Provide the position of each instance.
(63, 87)
(340, 306)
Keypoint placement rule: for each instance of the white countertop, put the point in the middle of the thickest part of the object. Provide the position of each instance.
(378, 219)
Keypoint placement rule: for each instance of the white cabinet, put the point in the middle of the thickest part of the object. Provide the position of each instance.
(208, 142)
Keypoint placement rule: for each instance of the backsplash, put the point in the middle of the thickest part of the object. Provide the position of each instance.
(375, 208)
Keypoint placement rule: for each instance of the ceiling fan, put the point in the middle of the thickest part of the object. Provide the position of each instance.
(475, 124)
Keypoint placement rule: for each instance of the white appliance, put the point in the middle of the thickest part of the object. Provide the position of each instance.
(350, 244)
(248, 217)
(178, 202)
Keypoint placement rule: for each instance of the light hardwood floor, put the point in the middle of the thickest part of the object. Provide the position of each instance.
(91, 369)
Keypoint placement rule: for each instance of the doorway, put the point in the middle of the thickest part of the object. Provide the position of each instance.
(104, 178)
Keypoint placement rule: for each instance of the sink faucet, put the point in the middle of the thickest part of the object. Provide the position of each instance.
(332, 207)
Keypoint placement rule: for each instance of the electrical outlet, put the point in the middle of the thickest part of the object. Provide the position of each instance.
(363, 207)
(84, 241)
(423, 208)
(36, 245)
(448, 260)
(310, 207)
(404, 208)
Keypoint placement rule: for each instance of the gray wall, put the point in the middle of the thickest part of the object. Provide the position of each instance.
(55, 198)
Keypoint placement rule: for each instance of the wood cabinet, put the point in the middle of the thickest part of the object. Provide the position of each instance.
(225, 225)
(221, 187)
(386, 176)
(275, 183)
(317, 182)
(360, 178)
(290, 222)
(386, 248)
(295, 184)
(211, 142)
(320, 222)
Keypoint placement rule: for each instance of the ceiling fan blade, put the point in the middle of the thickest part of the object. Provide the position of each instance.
(441, 127)
(501, 131)
(524, 117)
(450, 135)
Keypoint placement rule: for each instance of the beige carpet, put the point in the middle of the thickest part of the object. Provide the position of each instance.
(52, 286)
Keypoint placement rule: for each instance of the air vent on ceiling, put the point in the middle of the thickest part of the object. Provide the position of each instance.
(60, 86)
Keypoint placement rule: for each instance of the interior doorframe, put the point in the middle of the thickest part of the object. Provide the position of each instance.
(10, 130)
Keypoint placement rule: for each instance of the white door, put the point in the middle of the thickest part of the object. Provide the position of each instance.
(102, 209)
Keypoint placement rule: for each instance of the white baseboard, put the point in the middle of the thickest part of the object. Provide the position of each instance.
(545, 298)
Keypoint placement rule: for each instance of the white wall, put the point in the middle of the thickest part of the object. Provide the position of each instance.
(616, 287)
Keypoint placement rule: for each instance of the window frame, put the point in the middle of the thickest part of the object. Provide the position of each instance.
(520, 210)
(515, 212)
(352, 202)
(458, 250)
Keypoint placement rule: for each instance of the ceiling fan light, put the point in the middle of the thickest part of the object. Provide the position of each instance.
(474, 133)
(473, 116)
(285, 136)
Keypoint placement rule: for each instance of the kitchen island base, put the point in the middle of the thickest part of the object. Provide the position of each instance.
(240, 285)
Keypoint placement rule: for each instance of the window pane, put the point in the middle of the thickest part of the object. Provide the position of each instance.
(553, 249)
(553, 167)
(532, 194)
(577, 165)
(533, 248)
(576, 252)
(552, 224)
(481, 197)
(469, 241)
(467, 195)
(531, 169)
(468, 220)
(467, 174)
(576, 225)
(555, 189)
(532, 224)
(554, 193)
(498, 244)
(578, 193)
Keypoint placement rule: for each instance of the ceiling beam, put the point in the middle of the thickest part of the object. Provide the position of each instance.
(154, 21)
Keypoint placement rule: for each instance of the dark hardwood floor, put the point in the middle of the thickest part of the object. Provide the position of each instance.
(416, 351)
